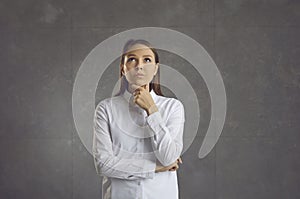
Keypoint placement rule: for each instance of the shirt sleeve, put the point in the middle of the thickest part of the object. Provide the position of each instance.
(167, 135)
(106, 163)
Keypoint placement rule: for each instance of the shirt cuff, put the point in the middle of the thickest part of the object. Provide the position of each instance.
(148, 169)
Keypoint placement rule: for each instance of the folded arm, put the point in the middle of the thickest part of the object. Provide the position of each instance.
(106, 163)
(167, 136)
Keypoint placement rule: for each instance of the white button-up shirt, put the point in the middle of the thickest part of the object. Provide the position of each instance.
(127, 145)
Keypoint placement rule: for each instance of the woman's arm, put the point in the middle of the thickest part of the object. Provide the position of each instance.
(106, 163)
(166, 136)
(167, 139)
(172, 167)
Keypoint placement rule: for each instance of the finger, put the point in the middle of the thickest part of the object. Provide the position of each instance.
(175, 168)
(135, 99)
(144, 86)
(175, 165)
(136, 92)
(180, 160)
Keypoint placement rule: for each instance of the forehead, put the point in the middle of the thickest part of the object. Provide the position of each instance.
(140, 49)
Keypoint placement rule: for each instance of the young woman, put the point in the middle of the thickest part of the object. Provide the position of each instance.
(138, 133)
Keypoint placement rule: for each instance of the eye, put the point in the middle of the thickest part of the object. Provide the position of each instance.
(147, 60)
(131, 59)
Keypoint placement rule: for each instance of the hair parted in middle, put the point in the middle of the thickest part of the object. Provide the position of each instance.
(155, 83)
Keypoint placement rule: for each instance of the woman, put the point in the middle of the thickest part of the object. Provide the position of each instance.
(138, 133)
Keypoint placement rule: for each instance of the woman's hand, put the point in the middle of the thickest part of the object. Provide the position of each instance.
(175, 168)
(171, 167)
(160, 168)
(143, 98)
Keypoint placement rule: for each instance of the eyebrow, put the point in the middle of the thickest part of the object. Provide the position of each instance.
(143, 55)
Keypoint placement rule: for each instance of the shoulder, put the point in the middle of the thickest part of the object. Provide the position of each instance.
(108, 102)
(171, 108)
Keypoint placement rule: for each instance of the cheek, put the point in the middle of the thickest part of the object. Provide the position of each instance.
(149, 73)
(150, 70)
(129, 74)
(128, 71)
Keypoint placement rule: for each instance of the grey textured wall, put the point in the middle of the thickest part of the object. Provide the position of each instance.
(254, 43)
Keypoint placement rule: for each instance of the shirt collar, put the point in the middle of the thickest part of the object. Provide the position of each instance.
(127, 95)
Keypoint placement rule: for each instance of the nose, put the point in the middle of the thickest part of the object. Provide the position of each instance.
(139, 65)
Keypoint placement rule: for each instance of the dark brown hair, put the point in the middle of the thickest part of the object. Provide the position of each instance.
(155, 83)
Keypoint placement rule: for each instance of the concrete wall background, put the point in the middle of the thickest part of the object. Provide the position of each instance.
(254, 43)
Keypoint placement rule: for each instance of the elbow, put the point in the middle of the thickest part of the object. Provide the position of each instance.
(100, 165)
(168, 162)
(101, 172)
(101, 169)
(167, 159)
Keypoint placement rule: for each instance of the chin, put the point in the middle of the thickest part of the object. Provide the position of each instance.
(141, 83)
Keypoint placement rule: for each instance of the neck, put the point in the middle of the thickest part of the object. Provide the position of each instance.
(131, 90)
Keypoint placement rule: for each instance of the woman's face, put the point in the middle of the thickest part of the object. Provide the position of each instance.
(139, 65)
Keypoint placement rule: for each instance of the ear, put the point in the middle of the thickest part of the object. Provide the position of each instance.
(156, 68)
(122, 69)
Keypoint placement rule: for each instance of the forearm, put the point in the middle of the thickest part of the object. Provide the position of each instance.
(167, 148)
(129, 169)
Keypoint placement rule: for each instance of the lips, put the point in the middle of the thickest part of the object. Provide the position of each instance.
(139, 75)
